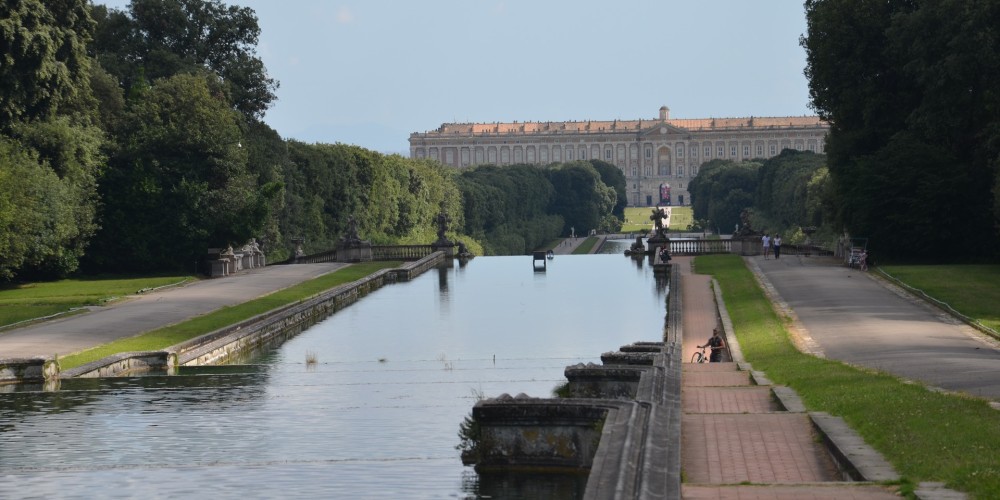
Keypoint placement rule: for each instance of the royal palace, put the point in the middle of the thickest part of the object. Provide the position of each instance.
(659, 157)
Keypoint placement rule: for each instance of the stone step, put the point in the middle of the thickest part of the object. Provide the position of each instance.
(771, 448)
(710, 367)
(747, 399)
(820, 491)
(715, 379)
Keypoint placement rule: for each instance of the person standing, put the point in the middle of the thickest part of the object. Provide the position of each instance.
(717, 345)
(765, 241)
(777, 246)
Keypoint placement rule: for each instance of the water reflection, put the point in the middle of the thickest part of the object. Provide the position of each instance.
(376, 415)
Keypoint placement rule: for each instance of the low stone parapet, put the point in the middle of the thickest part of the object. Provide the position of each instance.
(602, 381)
(126, 363)
(17, 370)
(530, 432)
(636, 406)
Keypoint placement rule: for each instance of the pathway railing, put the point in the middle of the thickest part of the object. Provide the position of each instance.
(379, 252)
(699, 247)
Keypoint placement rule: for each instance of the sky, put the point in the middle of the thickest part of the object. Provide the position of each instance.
(371, 72)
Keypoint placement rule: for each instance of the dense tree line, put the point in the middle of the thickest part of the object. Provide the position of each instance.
(514, 210)
(785, 193)
(721, 191)
(133, 141)
(910, 91)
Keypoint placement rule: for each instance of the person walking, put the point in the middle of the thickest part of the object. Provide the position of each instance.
(717, 345)
(765, 241)
(777, 246)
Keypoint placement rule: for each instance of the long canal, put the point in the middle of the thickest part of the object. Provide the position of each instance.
(366, 403)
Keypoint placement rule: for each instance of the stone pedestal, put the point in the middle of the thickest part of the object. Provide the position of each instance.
(444, 246)
(657, 241)
(355, 252)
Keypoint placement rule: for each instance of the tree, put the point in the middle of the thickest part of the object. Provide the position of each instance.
(614, 177)
(581, 198)
(52, 148)
(180, 183)
(721, 190)
(161, 38)
(920, 75)
(43, 60)
(783, 193)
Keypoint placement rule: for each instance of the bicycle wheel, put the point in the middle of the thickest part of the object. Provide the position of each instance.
(697, 357)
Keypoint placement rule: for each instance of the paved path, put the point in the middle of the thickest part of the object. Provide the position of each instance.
(734, 432)
(150, 311)
(849, 315)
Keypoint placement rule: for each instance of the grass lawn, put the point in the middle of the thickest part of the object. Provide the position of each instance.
(175, 334)
(586, 246)
(927, 436)
(637, 219)
(27, 301)
(971, 290)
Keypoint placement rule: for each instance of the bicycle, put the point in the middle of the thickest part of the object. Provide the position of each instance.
(699, 356)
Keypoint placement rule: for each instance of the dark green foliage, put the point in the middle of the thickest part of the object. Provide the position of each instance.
(50, 148)
(784, 190)
(160, 38)
(43, 60)
(722, 190)
(614, 177)
(581, 198)
(180, 183)
(910, 91)
(507, 208)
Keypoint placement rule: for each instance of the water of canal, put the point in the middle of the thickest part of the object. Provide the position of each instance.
(377, 414)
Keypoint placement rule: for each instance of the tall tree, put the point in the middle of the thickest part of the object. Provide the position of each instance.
(899, 77)
(722, 190)
(47, 116)
(614, 177)
(581, 198)
(160, 38)
(43, 59)
(180, 184)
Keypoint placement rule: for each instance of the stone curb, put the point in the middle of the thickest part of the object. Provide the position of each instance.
(856, 458)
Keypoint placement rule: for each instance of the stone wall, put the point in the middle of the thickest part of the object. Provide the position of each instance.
(632, 401)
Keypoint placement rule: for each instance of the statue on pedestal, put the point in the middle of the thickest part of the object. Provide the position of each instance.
(657, 218)
(442, 221)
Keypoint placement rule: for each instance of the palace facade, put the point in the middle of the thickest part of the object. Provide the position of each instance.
(658, 157)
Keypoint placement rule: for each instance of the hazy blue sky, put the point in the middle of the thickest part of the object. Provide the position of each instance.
(370, 72)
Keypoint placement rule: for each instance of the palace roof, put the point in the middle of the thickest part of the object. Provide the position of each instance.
(613, 126)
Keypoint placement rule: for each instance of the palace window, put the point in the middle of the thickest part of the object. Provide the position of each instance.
(607, 154)
(708, 151)
(680, 170)
(760, 150)
(649, 152)
(722, 151)
(680, 152)
(746, 150)
(732, 151)
(634, 170)
(773, 148)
